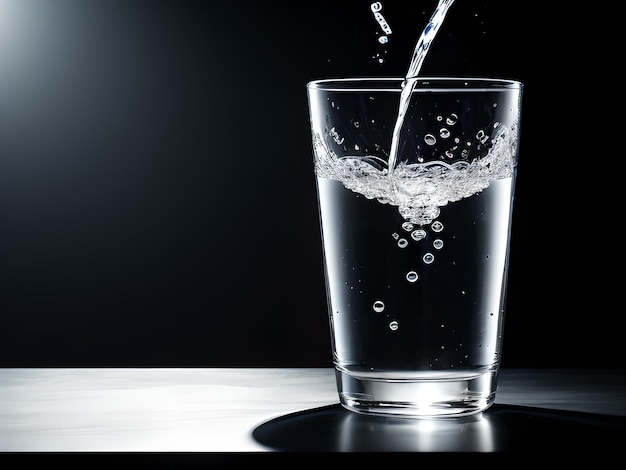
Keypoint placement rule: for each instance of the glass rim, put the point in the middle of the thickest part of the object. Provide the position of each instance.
(394, 84)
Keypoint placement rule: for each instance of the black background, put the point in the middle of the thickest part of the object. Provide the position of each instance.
(157, 200)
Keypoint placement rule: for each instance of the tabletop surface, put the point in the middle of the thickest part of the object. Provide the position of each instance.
(258, 410)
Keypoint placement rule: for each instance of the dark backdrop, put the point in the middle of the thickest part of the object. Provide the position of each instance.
(157, 200)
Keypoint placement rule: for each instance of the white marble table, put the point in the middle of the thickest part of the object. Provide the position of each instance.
(225, 409)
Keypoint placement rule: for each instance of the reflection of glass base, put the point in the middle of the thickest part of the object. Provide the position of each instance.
(417, 398)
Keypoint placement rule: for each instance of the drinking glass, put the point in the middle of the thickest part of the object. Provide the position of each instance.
(415, 193)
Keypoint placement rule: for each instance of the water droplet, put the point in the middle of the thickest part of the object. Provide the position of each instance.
(428, 258)
(393, 326)
(378, 306)
(412, 276)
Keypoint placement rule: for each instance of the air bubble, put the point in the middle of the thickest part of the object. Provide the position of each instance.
(444, 133)
(428, 258)
(438, 244)
(408, 226)
(402, 243)
(430, 139)
(418, 234)
(451, 120)
(378, 306)
(335, 135)
(412, 276)
(383, 39)
(482, 137)
(436, 226)
(393, 326)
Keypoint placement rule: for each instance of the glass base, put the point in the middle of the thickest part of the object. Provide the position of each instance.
(438, 396)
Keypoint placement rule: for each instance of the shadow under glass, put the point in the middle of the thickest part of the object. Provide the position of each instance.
(501, 428)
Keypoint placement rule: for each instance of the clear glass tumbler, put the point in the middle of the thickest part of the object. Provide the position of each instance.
(415, 195)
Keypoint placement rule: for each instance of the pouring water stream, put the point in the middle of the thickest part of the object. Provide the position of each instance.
(411, 78)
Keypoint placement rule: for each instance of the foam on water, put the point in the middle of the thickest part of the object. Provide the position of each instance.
(420, 189)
